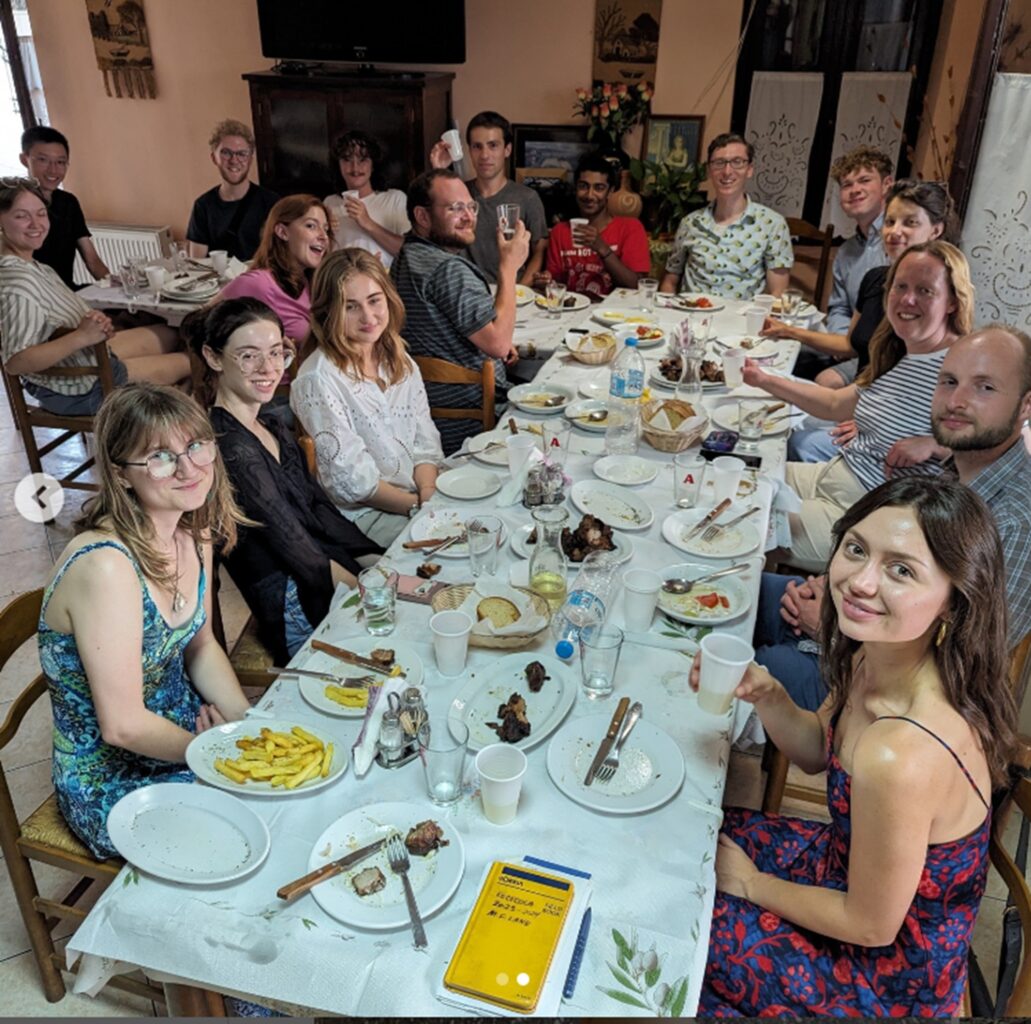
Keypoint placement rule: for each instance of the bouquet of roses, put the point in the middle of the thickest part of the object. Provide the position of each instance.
(613, 108)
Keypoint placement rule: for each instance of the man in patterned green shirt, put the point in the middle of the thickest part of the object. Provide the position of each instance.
(732, 247)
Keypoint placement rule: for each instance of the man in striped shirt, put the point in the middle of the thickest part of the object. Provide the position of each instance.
(450, 313)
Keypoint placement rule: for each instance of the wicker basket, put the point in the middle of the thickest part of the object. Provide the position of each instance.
(594, 356)
(671, 440)
(453, 597)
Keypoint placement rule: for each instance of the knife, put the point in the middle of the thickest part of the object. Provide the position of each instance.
(708, 518)
(351, 658)
(334, 867)
(610, 737)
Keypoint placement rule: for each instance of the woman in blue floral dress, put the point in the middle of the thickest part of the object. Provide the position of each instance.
(872, 914)
(125, 637)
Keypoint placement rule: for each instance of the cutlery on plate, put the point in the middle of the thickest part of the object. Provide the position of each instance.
(276, 670)
(334, 867)
(351, 658)
(707, 519)
(492, 447)
(608, 767)
(610, 737)
(716, 529)
(397, 856)
(679, 585)
(513, 427)
(446, 543)
(595, 416)
(430, 542)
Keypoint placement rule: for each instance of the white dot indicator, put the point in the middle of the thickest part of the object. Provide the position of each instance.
(523, 979)
(502, 978)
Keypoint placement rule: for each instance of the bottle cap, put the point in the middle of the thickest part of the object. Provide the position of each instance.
(631, 341)
(564, 649)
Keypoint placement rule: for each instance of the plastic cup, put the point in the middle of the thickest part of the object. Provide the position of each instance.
(442, 752)
(519, 447)
(484, 533)
(450, 631)
(575, 223)
(508, 217)
(378, 588)
(688, 473)
(219, 260)
(755, 317)
(724, 660)
(501, 768)
(646, 289)
(156, 278)
(765, 303)
(726, 477)
(733, 364)
(454, 142)
(640, 597)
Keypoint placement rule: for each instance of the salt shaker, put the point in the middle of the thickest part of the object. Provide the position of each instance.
(391, 737)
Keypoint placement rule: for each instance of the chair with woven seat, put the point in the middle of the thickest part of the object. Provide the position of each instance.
(440, 371)
(809, 236)
(43, 836)
(30, 416)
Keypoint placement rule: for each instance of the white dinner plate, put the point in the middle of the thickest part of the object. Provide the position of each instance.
(657, 380)
(188, 833)
(531, 398)
(183, 289)
(650, 772)
(220, 741)
(623, 317)
(686, 608)
(522, 546)
(576, 411)
(434, 878)
(445, 522)
(761, 348)
(468, 483)
(685, 302)
(499, 456)
(620, 508)
(646, 336)
(597, 386)
(730, 543)
(579, 302)
(627, 470)
(524, 295)
(805, 309)
(726, 416)
(477, 702)
(314, 690)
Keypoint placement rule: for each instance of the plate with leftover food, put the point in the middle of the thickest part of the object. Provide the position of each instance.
(572, 303)
(735, 540)
(697, 302)
(628, 470)
(490, 447)
(753, 347)
(620, 508)
(547, 399)
(442, 523)
(726, 415)
(590, 534)
(667, 374)
(588, 413)
(708, 604)
(623, 317)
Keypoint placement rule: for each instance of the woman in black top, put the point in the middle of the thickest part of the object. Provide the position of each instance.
(289, 562)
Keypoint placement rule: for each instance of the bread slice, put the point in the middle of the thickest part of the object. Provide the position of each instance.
(499, 610)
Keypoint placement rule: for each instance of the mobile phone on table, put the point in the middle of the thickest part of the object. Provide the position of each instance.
(724, 442)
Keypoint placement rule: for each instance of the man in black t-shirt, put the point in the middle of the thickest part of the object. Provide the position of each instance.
(231, 215)
(44, 153)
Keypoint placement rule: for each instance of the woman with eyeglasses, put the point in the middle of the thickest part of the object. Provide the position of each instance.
(607, 252)
(125, 638)
(293, 244)
(45, 328)
(288, 564)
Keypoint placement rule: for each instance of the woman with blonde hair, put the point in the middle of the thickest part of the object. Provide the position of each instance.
(361, 397)
(293, 243)
(125, 637)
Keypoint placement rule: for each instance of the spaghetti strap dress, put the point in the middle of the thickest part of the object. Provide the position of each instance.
(91, 776)
(762, 965)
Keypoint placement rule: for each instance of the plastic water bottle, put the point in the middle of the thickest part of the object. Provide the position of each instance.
(589, 599)
(626, 385)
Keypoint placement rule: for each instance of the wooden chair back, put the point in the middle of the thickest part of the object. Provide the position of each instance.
(440, 371)
(810, 235)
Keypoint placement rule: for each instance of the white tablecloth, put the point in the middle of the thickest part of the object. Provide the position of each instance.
(652, 873)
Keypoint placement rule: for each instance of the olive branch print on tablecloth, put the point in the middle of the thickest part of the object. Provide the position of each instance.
(639, 972)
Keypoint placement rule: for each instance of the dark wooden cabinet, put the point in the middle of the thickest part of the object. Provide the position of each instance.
(297, 117)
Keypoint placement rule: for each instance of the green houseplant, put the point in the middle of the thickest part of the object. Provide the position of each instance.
(670, 193)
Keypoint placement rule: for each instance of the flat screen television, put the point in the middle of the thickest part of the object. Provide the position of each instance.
(431, 32)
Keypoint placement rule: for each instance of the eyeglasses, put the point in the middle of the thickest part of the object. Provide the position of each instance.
(235, 154)
(250, 360)
(459, 208)
(737, 163)
(162, 464)
(18, 182)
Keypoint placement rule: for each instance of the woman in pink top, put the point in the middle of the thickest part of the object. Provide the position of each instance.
(295, 238)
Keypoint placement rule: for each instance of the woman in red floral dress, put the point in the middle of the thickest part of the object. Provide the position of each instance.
(871, 915)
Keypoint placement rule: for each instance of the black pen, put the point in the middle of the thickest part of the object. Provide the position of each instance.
(578, 955)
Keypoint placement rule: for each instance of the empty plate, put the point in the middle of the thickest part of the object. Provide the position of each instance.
(729, 543)
(620, 508)
(468, 483)
(629, 470)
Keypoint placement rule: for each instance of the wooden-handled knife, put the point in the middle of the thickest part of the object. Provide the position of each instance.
(334, 867)
(708, 518)
(610, 737)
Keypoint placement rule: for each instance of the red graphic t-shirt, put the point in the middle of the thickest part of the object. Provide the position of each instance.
(583, 270)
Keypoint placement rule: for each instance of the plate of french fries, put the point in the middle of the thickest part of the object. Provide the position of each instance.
(262, 757)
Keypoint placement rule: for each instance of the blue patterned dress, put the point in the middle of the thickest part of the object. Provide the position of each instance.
(763, 966)
(90, 776)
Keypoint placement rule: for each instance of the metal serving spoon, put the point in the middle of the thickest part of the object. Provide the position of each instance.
(682, 586)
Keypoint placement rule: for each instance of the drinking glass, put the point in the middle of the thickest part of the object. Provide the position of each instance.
(599, 656)
(442, 752)
(508, 217)
(646, 289)
(378, 588)
(751, 422)
(791, 302)
(575, 223)
(555, 435)
(556, 293)
(688, 473)
(130, 275)
(484, 533)
(180, 255)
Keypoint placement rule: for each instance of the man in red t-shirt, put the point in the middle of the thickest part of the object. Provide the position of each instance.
(608, 251)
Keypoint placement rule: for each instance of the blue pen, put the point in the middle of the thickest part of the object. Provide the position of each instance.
(578, 955)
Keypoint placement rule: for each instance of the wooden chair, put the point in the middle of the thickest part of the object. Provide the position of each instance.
(440, 371)
(29, 417)
(43, 836)
(808, 235)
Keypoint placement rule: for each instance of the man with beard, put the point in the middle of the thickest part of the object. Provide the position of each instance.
(449, 310)
(231, 215)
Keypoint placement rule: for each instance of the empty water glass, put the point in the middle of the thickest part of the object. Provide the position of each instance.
(688, 473)
(130, 273)
(555, 436)
(556, 295)
(646, 289)
(791, 302)
(442, 752)
(484, 535)
(599, 657)
(751, 422)
(378, 589)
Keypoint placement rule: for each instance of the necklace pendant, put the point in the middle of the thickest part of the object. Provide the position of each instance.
(178, 601)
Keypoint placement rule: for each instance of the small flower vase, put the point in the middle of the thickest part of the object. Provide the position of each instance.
(625, 202)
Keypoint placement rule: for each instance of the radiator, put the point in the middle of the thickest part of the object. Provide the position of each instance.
(118, 242)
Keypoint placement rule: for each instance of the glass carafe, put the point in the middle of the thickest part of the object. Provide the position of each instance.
(548, 561)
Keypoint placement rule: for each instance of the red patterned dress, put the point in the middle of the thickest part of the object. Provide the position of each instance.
(763, 966)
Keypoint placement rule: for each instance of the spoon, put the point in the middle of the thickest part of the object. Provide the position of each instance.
(595, 416)
(550, 401)
(682, 586)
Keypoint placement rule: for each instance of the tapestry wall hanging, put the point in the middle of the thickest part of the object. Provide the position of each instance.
(122, 45)
(626, 40)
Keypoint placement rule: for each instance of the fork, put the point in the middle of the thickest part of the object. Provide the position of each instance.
(397, 857)
(608, 767)
(715, 530)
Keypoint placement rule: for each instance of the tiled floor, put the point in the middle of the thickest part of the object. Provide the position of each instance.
(27, 552)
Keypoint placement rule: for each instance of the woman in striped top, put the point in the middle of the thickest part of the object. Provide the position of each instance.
(44, 325)
(929, 303)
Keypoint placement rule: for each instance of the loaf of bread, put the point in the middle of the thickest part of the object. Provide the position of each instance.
(499, 610)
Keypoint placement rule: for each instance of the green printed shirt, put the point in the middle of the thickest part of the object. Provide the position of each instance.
(730, 261)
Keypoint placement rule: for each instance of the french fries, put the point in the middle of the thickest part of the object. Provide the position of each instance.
(286, 759)
(348, 696)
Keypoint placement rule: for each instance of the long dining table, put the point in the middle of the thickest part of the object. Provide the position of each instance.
(652, 872)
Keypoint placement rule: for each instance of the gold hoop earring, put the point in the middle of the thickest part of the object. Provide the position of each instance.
(943, 630)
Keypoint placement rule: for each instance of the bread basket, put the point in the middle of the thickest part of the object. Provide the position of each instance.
(453, 597)
(591, 355)
(671, 440)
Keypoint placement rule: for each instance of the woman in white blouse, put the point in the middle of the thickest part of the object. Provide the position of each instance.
(361, 397)
(364, 216)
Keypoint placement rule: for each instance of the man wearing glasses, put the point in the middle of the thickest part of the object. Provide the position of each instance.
(231, 215)
(450, 313)
(732, 247)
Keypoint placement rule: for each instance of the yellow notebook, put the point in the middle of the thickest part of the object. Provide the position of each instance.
(509, 940)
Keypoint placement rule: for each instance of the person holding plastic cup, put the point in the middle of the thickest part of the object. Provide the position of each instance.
(916, 731)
